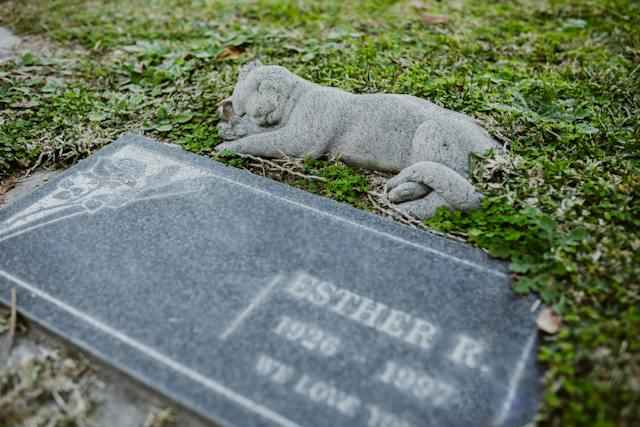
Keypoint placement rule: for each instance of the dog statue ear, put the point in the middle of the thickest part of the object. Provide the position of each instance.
(273, 92)
(272, 87)
(247, 68)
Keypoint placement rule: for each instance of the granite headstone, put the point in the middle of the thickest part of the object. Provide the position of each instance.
(257, 304)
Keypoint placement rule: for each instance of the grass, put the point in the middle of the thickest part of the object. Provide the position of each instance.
(30, 393)
(558, 80)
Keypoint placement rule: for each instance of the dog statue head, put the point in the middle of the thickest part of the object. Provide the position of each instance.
(261, 99)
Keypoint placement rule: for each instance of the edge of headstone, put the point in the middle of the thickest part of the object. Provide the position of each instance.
(520, 407)
(432, 242)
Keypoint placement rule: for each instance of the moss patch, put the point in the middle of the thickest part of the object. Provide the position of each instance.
(558, 81)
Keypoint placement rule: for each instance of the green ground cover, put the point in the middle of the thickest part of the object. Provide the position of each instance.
(557, 81)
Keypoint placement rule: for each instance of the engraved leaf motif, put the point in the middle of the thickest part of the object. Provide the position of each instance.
(107, 183)
(177, 187)
(113, 200)
(165, 173)
(130, 167)
(92, 205)
(102, 167)
(77, 190)
(119, 171)
(62, 195)
(66, 183)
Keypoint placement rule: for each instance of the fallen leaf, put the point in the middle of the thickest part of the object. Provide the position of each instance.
(549, 321)
(434, 19)
(5, 186)
(231, 52)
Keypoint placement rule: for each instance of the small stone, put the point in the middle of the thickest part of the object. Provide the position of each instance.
(549, 321)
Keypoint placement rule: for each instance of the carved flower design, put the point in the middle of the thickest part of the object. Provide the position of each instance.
(108, 183)
(68, 190)
(114, 200)
(115, 173)
(92, 205)
(116, 176)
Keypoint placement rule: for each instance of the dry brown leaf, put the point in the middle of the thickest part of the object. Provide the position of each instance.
(231, 52)
(549, 321)
(5, 186)
(434, 19)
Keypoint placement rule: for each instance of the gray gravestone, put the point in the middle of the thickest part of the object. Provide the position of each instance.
(254, 303)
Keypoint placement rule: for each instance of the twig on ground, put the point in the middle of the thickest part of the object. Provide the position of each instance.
(391, 211)
(380, 202)
(282, 168)
(60, 401)
(35, 165)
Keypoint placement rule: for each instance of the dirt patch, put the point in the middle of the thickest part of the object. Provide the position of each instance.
(46, 382)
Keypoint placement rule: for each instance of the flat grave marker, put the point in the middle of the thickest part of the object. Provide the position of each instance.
(257, 304)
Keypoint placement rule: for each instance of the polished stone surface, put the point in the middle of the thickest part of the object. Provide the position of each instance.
(256, 304)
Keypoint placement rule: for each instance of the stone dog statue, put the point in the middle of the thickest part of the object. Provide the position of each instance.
(273, 113)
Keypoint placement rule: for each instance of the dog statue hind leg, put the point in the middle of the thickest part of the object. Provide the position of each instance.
(421, 188)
